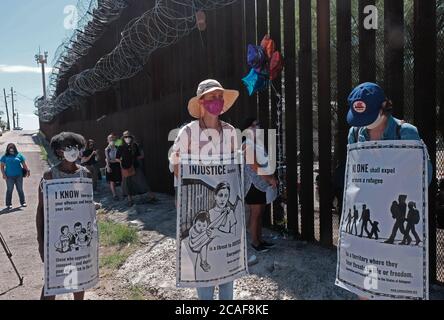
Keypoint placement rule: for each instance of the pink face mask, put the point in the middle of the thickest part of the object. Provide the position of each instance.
(215, 107)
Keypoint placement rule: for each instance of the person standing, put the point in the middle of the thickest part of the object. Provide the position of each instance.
(370, 117)
(66, 146)
(256, 196)
(129, 155)
(113, 171)
(14, 168)
(210, 102)
(90, 158)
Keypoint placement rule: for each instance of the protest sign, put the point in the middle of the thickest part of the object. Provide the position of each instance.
(211, 243)
(71, 236)
(383, 244)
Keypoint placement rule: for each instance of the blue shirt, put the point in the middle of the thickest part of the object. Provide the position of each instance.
(13, 164)
(391, 132)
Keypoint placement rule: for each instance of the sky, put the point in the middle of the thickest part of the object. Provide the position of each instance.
(24, 26)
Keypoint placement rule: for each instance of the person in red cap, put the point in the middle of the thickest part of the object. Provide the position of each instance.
(370, 117)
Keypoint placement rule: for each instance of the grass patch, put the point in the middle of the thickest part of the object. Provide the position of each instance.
(43, 153)
(136, 293)
(115, 260)
(113, 234)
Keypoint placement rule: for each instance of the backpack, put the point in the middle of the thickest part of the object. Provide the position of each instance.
(415, 216)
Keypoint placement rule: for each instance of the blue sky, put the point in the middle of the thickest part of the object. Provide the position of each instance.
(24, 26)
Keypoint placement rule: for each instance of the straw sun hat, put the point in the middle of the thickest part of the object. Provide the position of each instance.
(207, 86)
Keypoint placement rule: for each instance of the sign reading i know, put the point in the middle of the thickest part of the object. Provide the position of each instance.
(71, 236)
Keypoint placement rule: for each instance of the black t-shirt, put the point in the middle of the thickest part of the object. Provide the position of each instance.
(91, 161)
(128, 155)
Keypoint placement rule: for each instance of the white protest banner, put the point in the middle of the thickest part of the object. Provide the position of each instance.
(71, 236)
(211, 241)
(383, 241)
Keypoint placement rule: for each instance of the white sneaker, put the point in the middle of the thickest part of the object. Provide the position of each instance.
(252, 260)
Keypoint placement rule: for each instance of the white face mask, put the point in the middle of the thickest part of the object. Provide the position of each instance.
(71, 154)
(11, 151)
(377, 122)
(128, 140)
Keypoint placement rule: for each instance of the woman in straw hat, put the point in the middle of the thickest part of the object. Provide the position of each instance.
(211, 101)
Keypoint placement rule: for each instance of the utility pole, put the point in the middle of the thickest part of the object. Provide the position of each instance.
(12, 106)
(18, 119)
(42, 59)
(7, 112)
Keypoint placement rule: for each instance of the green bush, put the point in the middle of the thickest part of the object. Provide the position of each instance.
(112, 233)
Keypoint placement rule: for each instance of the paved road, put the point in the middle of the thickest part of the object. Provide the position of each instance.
(18, 226)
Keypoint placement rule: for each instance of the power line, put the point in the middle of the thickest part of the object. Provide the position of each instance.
(24, 96)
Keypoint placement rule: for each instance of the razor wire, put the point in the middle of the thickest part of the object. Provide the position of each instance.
(91, 24)
(162, 26)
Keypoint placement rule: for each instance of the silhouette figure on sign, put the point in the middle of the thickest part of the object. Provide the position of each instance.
(412, 220)
(365, 218)
(348, 220)
(398, 210)
(374, 231)
(355, 221)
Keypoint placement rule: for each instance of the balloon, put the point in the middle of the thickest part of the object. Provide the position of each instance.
(256, 56)
(268, 45)
(256, 81)
(276, 65)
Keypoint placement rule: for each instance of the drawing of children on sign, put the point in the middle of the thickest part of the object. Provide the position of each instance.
(66, 238)
(199, 238)
(374, 230)
(82, 239)
(223, 220)
(412, 220)
(77, 231)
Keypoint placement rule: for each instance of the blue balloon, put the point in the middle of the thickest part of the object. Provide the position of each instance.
(256, 81)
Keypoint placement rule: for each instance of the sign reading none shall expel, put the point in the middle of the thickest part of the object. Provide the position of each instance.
(383, 243)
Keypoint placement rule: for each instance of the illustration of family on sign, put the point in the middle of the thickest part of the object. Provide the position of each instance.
(218, 222)
(81, 238)
(404, 224)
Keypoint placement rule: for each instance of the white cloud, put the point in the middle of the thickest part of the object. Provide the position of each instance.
(22, 69)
